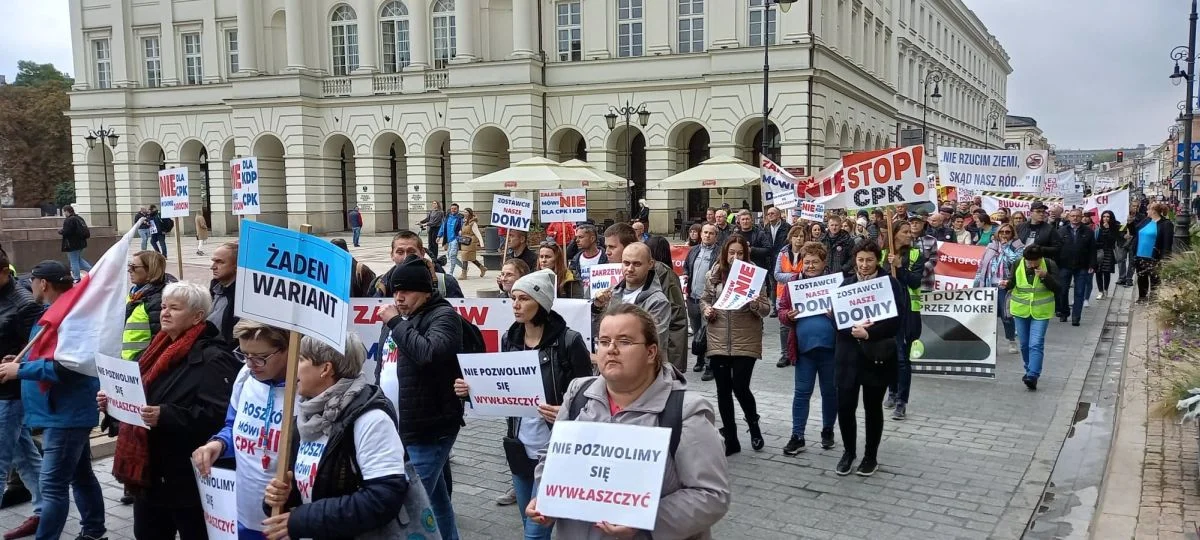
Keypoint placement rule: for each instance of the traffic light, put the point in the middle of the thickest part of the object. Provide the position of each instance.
(1120, 156)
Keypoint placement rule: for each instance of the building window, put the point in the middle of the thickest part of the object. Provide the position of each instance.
(445, 34)
(393, 22)
(232, 53)
(192, 68)
(569, 29)
(691, 26)
(153, 55)
(344, 34)
(757, 10)
(629, 28)
(103, 63)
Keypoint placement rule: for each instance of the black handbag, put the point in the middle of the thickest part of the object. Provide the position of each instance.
(700, 341)
(514, 451)
(465, 240)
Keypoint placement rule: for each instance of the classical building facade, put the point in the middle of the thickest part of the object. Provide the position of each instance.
(392, 104)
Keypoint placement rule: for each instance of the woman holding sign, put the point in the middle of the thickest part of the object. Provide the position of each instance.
(998, 259)
(866, 355)
(563, 357)
(787, 269)
(810, 347)
(734, 345)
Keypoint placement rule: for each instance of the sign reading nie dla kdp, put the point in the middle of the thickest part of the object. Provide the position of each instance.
(243, 175)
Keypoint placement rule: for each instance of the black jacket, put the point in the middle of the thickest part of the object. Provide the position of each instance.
(942, 234)
(229, 320)
(562, 353)
(911, 275)
(1078, 251)
(852, 366)
(840, 248)
(427, 345)
(528, 255)
(760, 246)
(1042, 234)
(1163, 242)
(361, 506)
(778, 241)
(193, 398)
(18, 315)
(74, 234)
(381, 286)
(151, 297)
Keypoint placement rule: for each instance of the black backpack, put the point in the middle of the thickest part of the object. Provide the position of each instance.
(166, 225)
(670, 417)
(472, 338)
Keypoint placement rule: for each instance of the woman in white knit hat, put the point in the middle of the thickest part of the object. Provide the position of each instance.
(564, 357)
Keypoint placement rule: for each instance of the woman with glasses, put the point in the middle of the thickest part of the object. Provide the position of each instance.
(147, 275)
(187, 372)
(253, 420)
(550, 257)
(999, 258)
(1018, 219)
(637, 386)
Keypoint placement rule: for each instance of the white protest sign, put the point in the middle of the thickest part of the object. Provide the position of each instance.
(876, 178)
(814, 296)
(744, 283)
(512, 212)
(121, 381)
(602, 277)
(173, 192)
(992, 203)
(992, 170)
(504, 384)
(958, 334)
(243, 174)
(1072, 199)
(219, 501)
(562, 205)
(1116, 201)
(604, 472)
(778, 185)
(1051, 186)
(869, 300)
(1104, 183)
(811, 211)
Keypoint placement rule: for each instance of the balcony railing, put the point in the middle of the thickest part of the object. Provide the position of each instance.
(437, 79)
(335, 86)
(387, 83)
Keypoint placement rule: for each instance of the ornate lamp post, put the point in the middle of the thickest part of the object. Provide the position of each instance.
(643, 118)
(1183, 221)
(934, 77)
(110, 135)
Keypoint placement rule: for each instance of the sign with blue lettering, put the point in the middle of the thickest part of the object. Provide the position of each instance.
(1195, 152)
(975, 169)
(243, 176)
(173, 192)
(294, 281)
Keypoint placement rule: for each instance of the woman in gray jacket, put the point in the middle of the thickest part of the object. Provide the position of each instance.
(642, 387)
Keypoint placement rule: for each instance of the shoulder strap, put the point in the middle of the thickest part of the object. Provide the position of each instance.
(672, 417)
(578, 400)
(441, 284)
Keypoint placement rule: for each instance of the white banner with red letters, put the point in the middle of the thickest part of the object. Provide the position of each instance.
(778, 185)
(745, 282)
(504, 384)
(876, 178)
(1116, 201)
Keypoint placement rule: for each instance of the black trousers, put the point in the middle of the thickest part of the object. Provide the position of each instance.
(732, 374)
(156, 522)
(1147, 275)
(872, 400)
(1103, 281)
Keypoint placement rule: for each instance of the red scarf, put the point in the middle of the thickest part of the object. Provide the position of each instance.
(133, 445)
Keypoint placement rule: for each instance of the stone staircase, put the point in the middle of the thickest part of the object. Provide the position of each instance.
(30, 238)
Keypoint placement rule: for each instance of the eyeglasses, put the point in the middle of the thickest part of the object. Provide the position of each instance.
(622, 343)
(133, 267)
(254, 360)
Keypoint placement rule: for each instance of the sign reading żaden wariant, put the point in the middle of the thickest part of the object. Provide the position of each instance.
(294, 281)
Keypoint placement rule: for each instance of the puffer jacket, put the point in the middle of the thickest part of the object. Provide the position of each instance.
(19, 313)
(695, 489)
(738, 332)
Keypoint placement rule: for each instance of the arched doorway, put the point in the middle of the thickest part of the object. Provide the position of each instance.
(628, 145)
(194, 156)
(389, 158)
(691, 147)
(338, 158)
(567, 144)
(774, 153)
(144, 185)
(272, 186)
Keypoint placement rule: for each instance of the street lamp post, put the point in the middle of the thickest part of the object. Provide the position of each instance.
(992, 118)
(1183, 221)
(111, 136)
(784, 5)
(628, 111)
(934, 77)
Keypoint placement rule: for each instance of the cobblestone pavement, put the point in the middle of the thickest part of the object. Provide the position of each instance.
(971, 460)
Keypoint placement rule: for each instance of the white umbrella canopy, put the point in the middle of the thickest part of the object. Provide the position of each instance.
(604, 179)
(717, 172)
(533, 174)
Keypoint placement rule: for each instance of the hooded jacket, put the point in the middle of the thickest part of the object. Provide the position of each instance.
(19, 313)
(736, 332)
(695, 489)
(562, 353)
(840, 247)
(677, 337)
(652, 299)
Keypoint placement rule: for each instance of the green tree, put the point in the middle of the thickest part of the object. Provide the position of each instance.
(64, 194)
(31, 73)
(35, 135)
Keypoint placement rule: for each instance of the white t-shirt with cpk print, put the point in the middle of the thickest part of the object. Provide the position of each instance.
(377, 446)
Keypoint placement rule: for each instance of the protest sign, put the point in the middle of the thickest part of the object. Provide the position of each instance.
(243, 174)
(604, 472)
(121, 381)
(1072, 199)
(745, 282)
(173, 193)
(778, 185)
(1116, 201)
(992, 170)
(811, 211)
(814, 296)
(679, 255)
(869, 300)
(511, 212)
(219, 501)
(602, 277)
(879, 178)
(562, 205)
(825, 184)
(956, 265)
(293, 281)
(504, 384)
(1104, 183)
(958, 333)
(993, 203)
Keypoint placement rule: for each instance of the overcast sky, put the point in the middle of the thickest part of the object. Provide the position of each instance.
(1092, 72)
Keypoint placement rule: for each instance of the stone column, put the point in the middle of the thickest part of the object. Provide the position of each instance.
(423, 180)
(418, 35)
(464, 19)
(79, 48)
(169, 44)
(295, 36)
(247, 38)
(210, 44)
(595, 29)
(663, 203)
(523, 32)
(368, 32)
(119, 48)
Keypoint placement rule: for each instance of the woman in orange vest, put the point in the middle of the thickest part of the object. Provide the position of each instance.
(788, 265)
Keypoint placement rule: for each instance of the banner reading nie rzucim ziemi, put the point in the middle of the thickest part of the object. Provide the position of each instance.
(976, 169)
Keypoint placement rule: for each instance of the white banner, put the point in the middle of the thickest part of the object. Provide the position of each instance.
(512, 212)
(992, 203)
(1104, 183)
(562, 205)
(121, 381)
(243, 174)
(992, 170)
(878, 178)
(1117, 201)
(173, 193)
(504, 384)
(219, 501)
(811, 211)
(869, 300)
(745, 282)
(778, 185)
(958, 333)
(602, 277)
(814, 296)
(604, 472)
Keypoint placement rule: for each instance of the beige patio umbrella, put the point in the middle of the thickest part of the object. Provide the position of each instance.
(538, 173)
(719, 172)
(604, 178)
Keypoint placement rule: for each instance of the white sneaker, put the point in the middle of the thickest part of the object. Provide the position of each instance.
(1099, 296)
(1087, 304)
(1012, 347)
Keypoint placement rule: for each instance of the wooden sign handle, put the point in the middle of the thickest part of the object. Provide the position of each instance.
(284, 458)
(891, 214)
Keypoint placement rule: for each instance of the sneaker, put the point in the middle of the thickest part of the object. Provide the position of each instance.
(890, 401)
(1087, 303)
(1030, 382)
(901, 412)
(509, 497)
(1012, 347)
(1100, 295)
(1074, 323)
(698, 367)
(867, 467)
(782, 363)
(26, 528)
(845, 465)
(794, 446)
(708, 374)
(827, 439)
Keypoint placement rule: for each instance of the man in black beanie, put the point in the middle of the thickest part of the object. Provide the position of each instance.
(418, 364)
